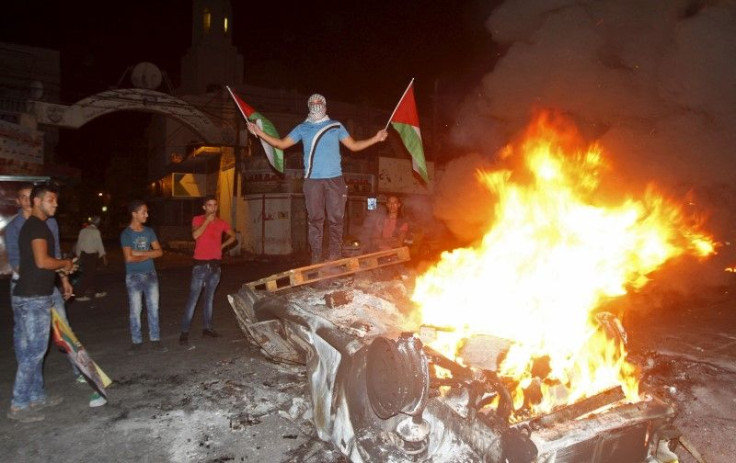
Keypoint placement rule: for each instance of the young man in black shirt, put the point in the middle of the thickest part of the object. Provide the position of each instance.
(32, 302)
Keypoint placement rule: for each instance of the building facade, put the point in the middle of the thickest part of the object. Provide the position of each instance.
(28, 74)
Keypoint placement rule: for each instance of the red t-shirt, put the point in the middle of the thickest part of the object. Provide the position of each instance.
(208, 245)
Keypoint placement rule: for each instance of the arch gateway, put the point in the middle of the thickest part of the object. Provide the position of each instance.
(133, 99)
(222, 135)
(257, 231)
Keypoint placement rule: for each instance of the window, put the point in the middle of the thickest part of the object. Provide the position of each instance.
(225, 25)
(207, 18)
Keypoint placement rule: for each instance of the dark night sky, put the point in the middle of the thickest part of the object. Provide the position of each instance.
(353, 51)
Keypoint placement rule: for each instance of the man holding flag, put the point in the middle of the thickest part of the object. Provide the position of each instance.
(325, 191)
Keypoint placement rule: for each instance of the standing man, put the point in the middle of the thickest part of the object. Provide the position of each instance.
(207, 231)
(90, 250)
(140, 246)
(12, 234)
(324, 186)
(32, 300)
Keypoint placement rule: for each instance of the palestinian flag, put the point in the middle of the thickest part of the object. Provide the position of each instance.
(68, 342)
(405, 120)
(275, 156)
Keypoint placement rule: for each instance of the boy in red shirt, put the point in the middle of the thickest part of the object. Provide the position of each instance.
(207, 231)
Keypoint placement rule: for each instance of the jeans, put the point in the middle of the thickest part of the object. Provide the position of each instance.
(143, 284)
(205, 275)
(325, 195)
(32, 317)
(57, 301)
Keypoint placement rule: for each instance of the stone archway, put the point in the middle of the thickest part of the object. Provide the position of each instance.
(132, 99)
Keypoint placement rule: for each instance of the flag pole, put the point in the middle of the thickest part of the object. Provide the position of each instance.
(397, 104)
(232, 95)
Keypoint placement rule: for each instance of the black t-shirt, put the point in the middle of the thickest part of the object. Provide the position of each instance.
(34, 281)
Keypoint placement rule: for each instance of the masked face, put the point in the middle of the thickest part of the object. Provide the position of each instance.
(317, 105)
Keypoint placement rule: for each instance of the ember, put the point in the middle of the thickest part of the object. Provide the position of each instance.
(559, 248)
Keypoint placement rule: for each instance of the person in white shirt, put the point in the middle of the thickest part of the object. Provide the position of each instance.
(90, 250)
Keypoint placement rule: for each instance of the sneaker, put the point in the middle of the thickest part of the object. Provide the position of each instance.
(184, 339)
(80, 379)
(158, 347)
(24, 415)
(210, 332)
(134, 348)
(49, 401)
(100, 294)
(97, 400)
(82, 299)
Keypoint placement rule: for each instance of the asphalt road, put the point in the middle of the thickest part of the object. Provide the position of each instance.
(220, 401)
(223, 401)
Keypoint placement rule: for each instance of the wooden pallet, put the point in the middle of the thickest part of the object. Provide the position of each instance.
(332, 269)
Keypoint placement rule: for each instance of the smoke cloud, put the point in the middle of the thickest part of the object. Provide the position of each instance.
(653, 81)
(457, 201)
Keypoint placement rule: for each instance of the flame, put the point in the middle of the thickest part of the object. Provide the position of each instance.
(555, 253)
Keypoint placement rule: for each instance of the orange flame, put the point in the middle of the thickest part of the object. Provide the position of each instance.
(554, 254)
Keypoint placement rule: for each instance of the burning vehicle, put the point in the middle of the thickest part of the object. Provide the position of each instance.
(500, 352)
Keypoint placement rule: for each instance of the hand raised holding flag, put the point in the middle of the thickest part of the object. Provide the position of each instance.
(252, 127)
(255, 119)
(359, 145)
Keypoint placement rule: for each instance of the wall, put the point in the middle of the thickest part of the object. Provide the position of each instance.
(266, 223)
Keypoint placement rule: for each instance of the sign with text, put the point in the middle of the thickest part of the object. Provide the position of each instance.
(20, 145)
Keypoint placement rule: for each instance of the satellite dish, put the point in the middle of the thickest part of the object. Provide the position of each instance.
(146, 75)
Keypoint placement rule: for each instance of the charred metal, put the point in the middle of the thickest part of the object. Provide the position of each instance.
(379, 394)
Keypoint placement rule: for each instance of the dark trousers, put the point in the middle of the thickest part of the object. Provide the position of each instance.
(325, 198)
(88, 266)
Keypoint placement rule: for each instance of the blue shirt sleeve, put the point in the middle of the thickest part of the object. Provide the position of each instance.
(152, 235)
(295, 134)
(12, 232)
(125, 239)
(342, 133)
(54, 227)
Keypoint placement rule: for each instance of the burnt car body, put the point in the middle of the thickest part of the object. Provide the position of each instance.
(377, 394)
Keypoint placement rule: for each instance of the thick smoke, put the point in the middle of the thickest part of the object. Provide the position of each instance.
(658, 79)
(653, 81)
(457, 202)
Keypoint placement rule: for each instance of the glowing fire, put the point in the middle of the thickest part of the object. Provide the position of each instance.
(554, 254)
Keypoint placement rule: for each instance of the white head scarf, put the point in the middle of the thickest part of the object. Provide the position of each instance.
(317, 105)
